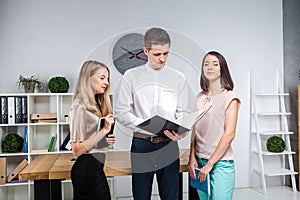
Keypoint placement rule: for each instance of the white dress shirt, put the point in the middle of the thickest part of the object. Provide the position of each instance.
(145, 92)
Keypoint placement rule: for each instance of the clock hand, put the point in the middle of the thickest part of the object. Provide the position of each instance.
(137, 53)
(133, 54)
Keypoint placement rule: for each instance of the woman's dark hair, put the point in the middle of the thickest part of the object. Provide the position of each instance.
(226, 80)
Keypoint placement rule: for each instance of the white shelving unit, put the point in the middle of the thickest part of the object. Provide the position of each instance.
(39, 135)
(268, 118)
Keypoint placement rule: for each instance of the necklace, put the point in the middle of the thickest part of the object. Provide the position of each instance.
(209, 94)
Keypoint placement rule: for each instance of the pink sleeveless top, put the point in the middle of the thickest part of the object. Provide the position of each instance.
(210, 128)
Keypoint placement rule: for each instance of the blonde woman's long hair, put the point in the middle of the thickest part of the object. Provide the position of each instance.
(84, 92)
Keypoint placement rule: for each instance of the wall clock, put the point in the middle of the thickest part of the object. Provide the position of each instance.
(128, 52)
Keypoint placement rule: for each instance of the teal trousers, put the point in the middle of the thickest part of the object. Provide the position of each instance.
(222, 177)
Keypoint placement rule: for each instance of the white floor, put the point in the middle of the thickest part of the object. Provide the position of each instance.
(273, 193)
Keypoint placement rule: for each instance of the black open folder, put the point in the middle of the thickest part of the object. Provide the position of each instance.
(158, 124)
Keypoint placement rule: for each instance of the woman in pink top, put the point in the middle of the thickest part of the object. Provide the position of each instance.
(211, 150)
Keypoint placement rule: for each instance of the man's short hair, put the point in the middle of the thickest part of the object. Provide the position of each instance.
(156, 36)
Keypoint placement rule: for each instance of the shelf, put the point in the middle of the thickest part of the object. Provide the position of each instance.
(43, 124)
(273, 132)
(63, 123)
(34, 153)
(12, 125)
(15, 184)
(34, 124)
(51, 152)
(267, 153)
(269, 117)
(277, 172)
(272, 94)
(273, 113)
(38, 133)
(42, 94)
(13, 154)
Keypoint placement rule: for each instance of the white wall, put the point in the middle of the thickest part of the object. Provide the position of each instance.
(47, 38)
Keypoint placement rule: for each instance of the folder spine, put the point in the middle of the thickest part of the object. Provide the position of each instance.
(4, 110)
(14, 173)
(51, 143)
(24, 110)
(18, 117)
(54, 143)
(11, 110)
(3, 167)
(25, 139)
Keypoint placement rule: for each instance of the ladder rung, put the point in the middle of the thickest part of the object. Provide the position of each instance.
(267, 153)
(273, 113)
(279, 172)
(273, 132)
(276, 172)
(272, 94)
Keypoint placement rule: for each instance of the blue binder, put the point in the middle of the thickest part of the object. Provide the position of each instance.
(204, 186)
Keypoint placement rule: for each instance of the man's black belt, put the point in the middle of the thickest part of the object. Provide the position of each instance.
(152, 139)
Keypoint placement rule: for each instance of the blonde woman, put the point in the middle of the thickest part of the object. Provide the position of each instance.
(90, 102)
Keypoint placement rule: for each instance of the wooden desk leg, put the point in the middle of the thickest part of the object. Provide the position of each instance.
(193, 194)
(180, 189)
(47, 190)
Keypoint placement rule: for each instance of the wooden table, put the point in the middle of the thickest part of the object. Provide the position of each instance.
(48, 170)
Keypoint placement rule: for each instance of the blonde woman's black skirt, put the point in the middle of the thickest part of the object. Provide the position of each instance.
(88, 178)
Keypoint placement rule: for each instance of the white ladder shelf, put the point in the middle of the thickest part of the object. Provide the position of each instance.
(263, 129)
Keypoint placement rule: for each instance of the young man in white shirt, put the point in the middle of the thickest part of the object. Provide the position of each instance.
(149, 90)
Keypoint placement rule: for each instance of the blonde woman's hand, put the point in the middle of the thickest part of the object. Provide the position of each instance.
(111, 139)
(109, 121)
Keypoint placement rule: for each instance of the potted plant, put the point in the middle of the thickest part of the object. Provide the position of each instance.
(12, 143)
(58, 84)
(29, 84)
(275, 144)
